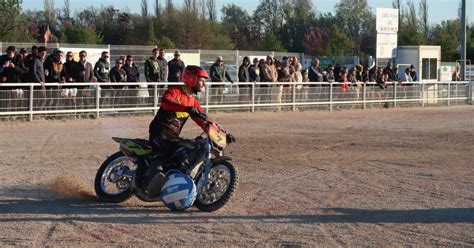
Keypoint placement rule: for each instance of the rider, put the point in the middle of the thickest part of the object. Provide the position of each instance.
(177, 104)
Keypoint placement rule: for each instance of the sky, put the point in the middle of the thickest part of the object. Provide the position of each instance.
(438, 10)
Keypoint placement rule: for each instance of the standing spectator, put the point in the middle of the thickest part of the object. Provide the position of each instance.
(37, 75)
(330, 78)
(408, 75)
(175, 68)
(101, 73)
(71, 71)
(118, 75)
(254, 74)
(381, 79)
(218, 74)
(354, 79)
(153, 72)
(388, 70)
(133, 75)
(456, 76)
(55, 74)
(298, 76)
(315, 73)
(413, 74)
(337, 72)
(86, 75)
(282, 91)
(22, 65)
(305, 88)
(396, 75)
(244, 77)
(270, 75)
(8, 74)
(373, 74)
(163, 65)
(344, 83)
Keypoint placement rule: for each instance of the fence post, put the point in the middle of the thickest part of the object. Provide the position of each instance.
(155, 99)
(253, 97)
(31, 102)
(364, 96)
(330, 96)
(422, 93)
(293, 95)
(394, 94)
(97, 101)
(449, 93)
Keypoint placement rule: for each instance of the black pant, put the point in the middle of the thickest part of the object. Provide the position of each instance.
(165, 142)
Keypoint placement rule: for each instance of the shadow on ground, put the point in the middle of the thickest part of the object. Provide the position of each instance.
(60, 210)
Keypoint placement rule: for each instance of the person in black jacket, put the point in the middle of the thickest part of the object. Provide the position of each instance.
(244, 77)
(119, 75)
(175, 68)
(133, 75)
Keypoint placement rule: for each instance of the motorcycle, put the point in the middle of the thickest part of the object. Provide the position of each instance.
(138, 167)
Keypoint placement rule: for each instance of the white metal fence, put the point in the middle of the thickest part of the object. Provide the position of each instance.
(83, 99)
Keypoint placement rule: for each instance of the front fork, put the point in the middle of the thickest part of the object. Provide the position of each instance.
(207, 169)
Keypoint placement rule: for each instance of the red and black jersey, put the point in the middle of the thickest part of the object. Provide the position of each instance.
(173, 112)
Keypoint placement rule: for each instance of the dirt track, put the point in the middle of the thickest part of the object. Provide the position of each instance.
(350, 178)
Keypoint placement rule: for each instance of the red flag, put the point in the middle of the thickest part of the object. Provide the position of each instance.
(47, 35)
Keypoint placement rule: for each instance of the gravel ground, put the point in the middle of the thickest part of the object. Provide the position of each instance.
(381, 177)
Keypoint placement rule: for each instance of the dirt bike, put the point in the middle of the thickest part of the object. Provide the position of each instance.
(135, 168)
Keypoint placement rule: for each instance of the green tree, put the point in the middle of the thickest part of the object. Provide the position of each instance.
(269, 16)
(151, 39)
(237, 23)
(299, 16)
(447, 35)
(409, 32)
(75, 34)
(272, 43)
(355, 19)
(9, 19)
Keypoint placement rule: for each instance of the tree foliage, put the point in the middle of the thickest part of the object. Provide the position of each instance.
(9, 19)
(277, 25)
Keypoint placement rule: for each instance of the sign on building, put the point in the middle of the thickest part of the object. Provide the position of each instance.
(386, 45)
(387, 28)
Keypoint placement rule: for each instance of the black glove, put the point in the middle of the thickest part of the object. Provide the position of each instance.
(230, 138)
(193, 111)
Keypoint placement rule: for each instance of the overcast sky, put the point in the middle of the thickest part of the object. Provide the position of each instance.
(439, 10)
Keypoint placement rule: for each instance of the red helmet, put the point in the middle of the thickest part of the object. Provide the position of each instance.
(191, 74)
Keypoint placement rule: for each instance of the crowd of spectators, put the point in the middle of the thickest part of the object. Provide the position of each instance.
(57, 67)
(272, 75)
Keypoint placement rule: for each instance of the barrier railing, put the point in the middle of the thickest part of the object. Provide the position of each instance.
(77, 99)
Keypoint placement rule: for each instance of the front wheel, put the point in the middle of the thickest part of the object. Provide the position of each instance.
(223, 180)
(113, 181)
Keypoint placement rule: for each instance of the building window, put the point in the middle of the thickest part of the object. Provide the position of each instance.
(430, 68)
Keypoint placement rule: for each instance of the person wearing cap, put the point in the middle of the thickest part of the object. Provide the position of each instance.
(22, 66)
(8, 74)
(7, 70)
(175, 68)
(218, 74)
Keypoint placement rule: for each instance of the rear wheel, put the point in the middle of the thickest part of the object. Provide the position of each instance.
(223, 180)
(113, 181)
